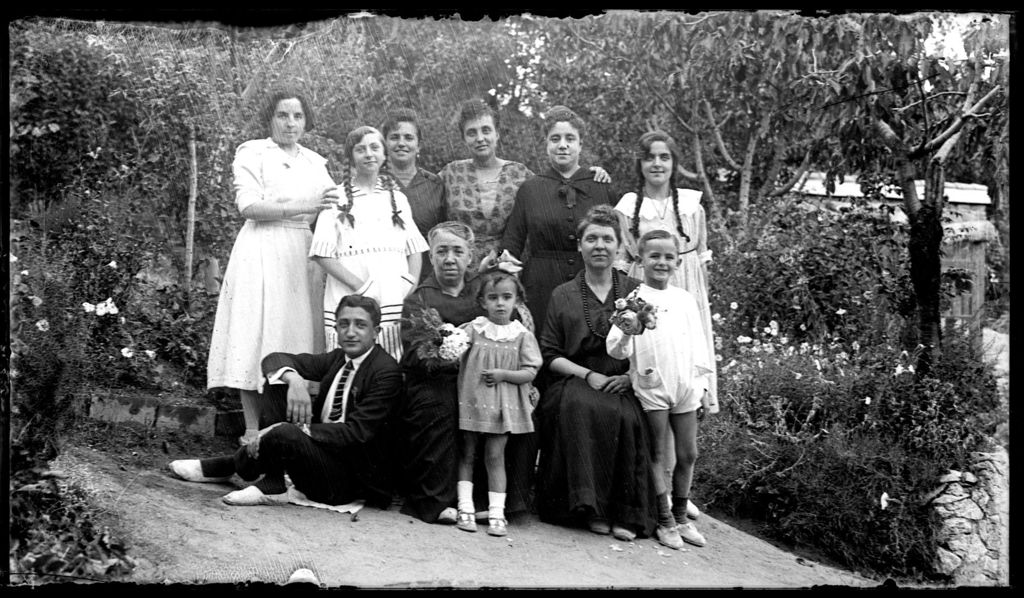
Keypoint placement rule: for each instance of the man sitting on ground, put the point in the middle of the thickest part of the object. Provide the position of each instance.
(334, 449)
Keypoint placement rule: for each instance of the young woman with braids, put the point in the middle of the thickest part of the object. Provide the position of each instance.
(659, 204)
(368, 243)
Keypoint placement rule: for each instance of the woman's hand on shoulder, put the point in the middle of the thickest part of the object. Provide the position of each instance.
(601, 175)
(328, 198)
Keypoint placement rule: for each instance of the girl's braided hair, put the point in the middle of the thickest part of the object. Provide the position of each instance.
(385, 176)
(644, 150)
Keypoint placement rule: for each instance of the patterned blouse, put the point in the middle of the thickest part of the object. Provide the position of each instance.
(481, 206)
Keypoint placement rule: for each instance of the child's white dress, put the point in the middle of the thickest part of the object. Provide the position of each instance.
(375, 249)
(670, 364)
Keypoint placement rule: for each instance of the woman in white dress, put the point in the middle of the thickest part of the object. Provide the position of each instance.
(267, 300)
(369, 243)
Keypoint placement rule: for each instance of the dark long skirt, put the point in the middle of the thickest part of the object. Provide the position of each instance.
(429, 430)
(595, 458)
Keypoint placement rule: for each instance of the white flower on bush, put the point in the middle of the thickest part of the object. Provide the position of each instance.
(783, 340)
(867, 400)
(24, 272)
(903, 370)
(855, 346)
(88, 307)
(803, 327)
(733, 305)
(718, 357)
(716, 318)
(743, 339)
(773, 328)
(106, 307)
(36, 301)
(43, 325)
(113, 264)
(126, 352)
(150, 354)
(840, 311)
(798, 375)
(884, 500)
(13, 259)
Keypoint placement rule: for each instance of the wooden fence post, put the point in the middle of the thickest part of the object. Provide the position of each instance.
(192, 191)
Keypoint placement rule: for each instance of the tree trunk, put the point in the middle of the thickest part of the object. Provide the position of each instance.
(193, 178)
(925, 247)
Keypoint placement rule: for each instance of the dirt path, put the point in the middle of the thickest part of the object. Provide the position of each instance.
(182, 533)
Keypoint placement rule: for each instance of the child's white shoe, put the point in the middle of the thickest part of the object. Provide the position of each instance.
(466, 522)
(497, 527)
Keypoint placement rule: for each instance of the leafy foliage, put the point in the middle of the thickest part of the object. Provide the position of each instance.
(54, 535)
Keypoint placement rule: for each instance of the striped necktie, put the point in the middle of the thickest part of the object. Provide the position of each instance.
(338, 407)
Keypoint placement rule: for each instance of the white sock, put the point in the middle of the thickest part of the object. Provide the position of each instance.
(497, 505)
(465, 493)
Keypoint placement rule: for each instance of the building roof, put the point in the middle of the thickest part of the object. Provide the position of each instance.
(813, 183)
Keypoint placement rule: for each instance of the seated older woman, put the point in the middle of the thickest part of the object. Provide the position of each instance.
(429, 417)
(594, 439)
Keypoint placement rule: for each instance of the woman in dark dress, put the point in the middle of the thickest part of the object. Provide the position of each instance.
(547, 209)
(424, 189)
(543, 225)
(429, 417)
(594, 439)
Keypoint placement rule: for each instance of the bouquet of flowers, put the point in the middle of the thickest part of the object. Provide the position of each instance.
(634, 315)
(437, 343)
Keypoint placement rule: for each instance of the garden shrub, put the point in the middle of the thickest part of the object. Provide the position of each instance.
(827, 435)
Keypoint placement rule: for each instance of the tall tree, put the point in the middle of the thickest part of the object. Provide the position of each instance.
(906, 110)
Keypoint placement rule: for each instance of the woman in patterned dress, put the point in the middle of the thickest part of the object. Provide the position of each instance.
(267, 302)
(482, 190)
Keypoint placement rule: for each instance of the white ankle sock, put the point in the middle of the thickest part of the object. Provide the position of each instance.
(496, 510)
(465, 493)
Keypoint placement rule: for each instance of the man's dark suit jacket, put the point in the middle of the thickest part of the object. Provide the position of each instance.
(362, 441)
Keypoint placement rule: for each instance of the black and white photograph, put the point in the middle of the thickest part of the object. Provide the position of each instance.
(605, 299)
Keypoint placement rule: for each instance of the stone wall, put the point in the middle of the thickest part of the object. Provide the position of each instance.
(974, 533)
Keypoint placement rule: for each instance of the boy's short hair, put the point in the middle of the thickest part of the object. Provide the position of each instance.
(658, 233)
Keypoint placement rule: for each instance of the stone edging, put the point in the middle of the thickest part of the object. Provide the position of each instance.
(973, 533)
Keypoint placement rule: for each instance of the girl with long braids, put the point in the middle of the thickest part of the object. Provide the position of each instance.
(659, 204)
(368, 244)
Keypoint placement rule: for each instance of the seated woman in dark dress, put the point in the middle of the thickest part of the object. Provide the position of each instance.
(594, 439)
(429, 416)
